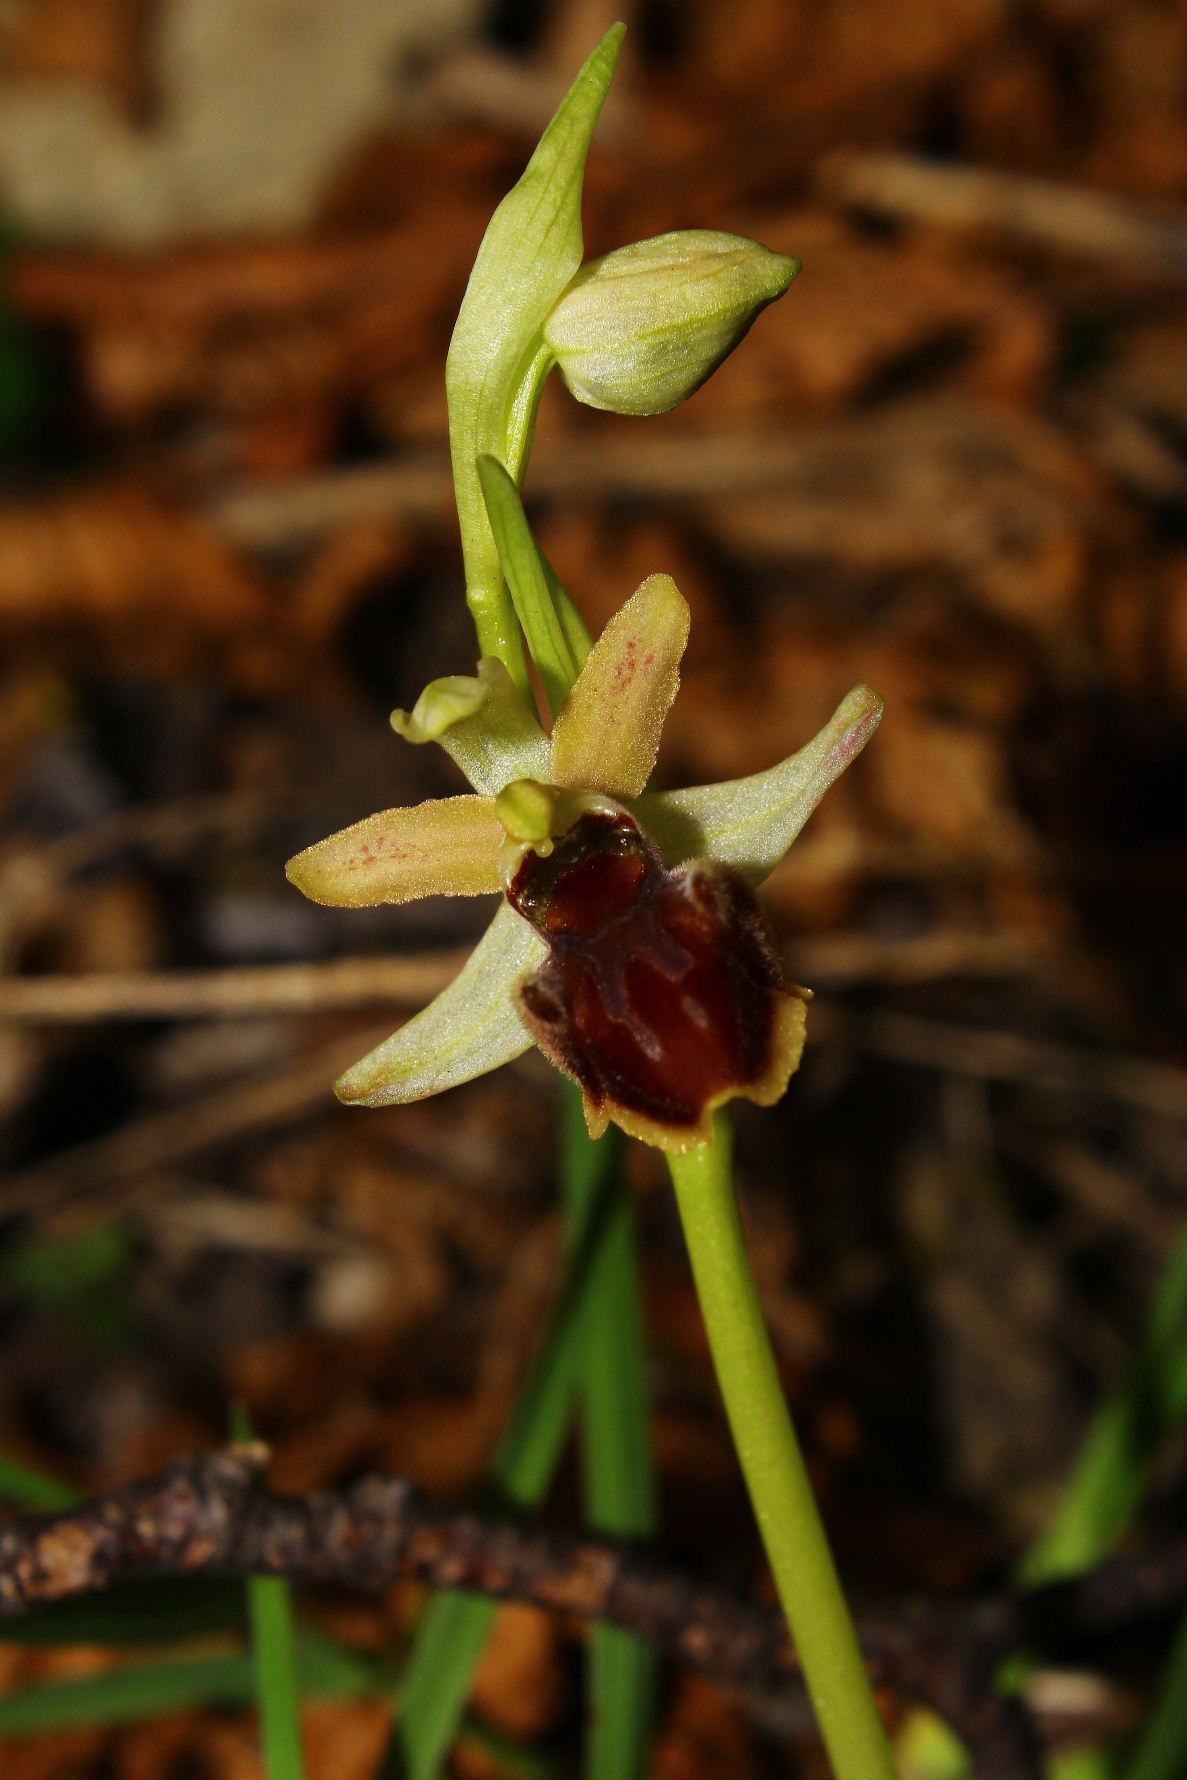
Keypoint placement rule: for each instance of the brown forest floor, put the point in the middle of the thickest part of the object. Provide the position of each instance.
(951, 464)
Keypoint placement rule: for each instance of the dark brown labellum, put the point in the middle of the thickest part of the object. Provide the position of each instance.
(661, 995)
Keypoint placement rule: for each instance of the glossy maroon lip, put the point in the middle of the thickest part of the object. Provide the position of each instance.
(660, 995)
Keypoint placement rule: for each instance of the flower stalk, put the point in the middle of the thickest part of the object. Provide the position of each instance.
(776, 1478)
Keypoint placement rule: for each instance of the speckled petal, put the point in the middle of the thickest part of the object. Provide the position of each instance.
(471, 1027)
(748, 824)
(606, 735)
(447, 847)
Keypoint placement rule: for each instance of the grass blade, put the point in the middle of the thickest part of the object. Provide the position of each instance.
(454, 1627)
(29, 1487)
(616, 1448)
(118, 1696)
(1161, 1752)
(145, 1690)
(273, 1637)
(278, 1687)
(1105, 1488)
(1109, 1477)
(447, 1649)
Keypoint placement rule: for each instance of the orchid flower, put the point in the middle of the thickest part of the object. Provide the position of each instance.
(629, 946)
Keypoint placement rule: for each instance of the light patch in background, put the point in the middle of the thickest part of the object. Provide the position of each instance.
(256, 103)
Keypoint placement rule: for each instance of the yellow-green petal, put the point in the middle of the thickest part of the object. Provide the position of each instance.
(606, 734)
(471, 1027)
(482, 723)
(447, 847)
(748, 824)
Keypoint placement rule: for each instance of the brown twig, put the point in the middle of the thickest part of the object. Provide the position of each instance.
(1050, 213)
(913, 476)
(1012, 1056)
(210, 1515)
(163, 1138)
(246, 991)
(411, 980)
(32, 875)
(838, 960)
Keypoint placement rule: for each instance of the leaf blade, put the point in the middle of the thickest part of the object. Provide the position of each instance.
(276, 1677)
(455, 1626)
(617, 1468)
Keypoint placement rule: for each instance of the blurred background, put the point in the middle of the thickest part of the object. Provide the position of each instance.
(951, 463)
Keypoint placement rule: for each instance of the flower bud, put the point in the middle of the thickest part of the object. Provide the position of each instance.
(641, 329)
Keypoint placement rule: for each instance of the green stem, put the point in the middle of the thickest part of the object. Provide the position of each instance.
(780, 1491)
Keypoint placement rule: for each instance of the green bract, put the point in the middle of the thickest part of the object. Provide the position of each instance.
(640, 330)
(497, 357)
(636, 331)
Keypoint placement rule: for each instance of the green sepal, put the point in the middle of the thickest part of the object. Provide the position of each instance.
(748, 824)
(471, 1027)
